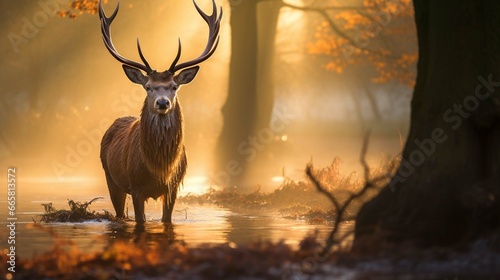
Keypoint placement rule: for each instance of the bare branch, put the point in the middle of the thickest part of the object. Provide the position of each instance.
(325, 8)
(341, 208)
(362, 159)
(323, 11)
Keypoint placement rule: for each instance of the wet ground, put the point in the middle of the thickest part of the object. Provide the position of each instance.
(208, 224)
(193, 224)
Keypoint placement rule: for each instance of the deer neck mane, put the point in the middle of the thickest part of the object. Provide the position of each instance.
(161, 140)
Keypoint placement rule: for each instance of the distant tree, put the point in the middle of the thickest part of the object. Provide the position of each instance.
(249, 102)
(371, 42)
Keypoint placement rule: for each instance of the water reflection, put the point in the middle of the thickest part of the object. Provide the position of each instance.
(203, 225)
(161, 234)
(193, 224)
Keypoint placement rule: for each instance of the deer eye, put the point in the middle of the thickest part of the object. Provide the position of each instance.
(174, 87)
(148, 88)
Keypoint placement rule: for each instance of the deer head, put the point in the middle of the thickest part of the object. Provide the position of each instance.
(161, 87)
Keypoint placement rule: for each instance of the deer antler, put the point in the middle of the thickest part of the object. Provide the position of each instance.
(213, 22)
(106, 37)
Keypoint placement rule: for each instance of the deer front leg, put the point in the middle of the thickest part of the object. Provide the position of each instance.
(138, 208)
(117, 195)
(168, 204)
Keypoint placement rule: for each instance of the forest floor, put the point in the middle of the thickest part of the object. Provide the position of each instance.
(253, 260)
(140, 259)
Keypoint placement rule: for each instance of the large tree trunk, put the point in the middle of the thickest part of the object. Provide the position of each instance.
(447, 188)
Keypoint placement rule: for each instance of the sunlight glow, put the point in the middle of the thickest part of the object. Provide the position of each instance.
(295, 2)
(73, 179)
(290, 33)
(278, 179)
(290, 17)
(194, 185)
(283, 138)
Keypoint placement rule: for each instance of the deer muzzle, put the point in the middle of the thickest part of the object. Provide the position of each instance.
(163, 105)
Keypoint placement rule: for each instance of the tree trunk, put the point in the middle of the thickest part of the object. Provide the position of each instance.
(268, 13)
(249, 103)
(240, 108)
(447, 188)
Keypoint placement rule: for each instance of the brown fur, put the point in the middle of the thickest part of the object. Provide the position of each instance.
(145, 157)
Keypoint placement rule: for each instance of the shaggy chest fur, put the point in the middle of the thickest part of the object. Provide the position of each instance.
(145, 156)
(161, 143)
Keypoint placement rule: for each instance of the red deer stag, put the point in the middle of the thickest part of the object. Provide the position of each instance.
(145, 156)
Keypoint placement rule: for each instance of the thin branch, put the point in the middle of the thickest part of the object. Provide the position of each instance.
(324, 14)
(336, 204)
(363, 11)
(362, 158)
(325, 8)
(340, 208)
(320, 188)
(323, 11)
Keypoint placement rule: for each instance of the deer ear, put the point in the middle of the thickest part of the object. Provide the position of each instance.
(186, 75)
(135, 75)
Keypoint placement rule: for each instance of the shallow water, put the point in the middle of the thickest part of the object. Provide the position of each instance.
(192, 224)
(203, 224)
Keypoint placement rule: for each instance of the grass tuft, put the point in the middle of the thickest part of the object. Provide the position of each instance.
(294, 199)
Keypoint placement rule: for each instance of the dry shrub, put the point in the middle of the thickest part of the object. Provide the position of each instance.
(296, 199)
(79, 212)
